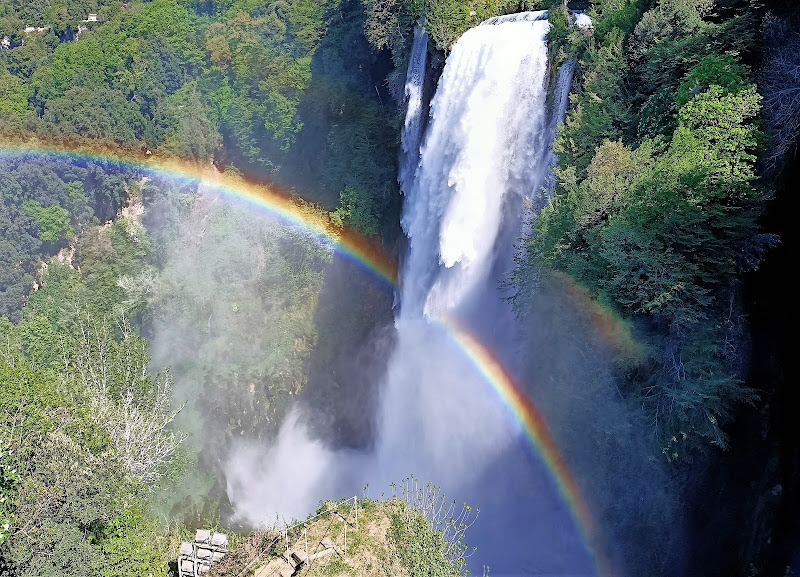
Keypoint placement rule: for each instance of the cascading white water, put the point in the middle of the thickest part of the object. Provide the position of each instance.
(412, 128)
(486, 148)
(480, 149)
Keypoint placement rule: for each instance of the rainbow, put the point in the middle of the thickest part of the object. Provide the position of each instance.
(535, 427)
(371, 256)
(367, 253)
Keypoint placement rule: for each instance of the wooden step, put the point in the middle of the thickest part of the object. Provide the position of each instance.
(300, 555)
(288, 556)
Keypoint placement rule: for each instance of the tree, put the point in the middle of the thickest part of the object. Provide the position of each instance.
(13, 95)
(167, 20)
(49, 499)
(188, 132)
(53, 221)
(96, 114)
(32, 11)
(133, 407)
(722, 71)
(779, 81)
(356, 210)
(84, 436)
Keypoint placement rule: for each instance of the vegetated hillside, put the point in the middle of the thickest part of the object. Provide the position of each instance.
(660, 187)
(90, 253)
(669, 158)
(85, 438)
(225, 81)
(397, 537)
(283, 90)
(658, 199)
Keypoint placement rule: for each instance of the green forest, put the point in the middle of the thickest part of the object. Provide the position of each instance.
(671, 151)
(657, 202)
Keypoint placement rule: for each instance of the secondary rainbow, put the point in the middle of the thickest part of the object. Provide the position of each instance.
(371, 256)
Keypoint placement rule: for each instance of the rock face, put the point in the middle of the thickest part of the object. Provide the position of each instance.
(747, 499)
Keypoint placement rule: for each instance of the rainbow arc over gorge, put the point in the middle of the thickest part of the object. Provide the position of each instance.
(368, 255)
(365, 252)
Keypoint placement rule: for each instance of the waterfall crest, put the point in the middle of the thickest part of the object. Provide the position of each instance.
(531, 16)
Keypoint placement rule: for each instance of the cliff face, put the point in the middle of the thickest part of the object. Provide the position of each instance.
(747, 500)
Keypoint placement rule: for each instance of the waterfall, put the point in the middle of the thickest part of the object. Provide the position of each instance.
(412, 128)
(560, 94)
(486, 148)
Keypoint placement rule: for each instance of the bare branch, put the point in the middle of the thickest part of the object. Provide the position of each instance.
(779, 81)
(134, 407)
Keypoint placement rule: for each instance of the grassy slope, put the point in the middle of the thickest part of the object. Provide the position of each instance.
(371, 551)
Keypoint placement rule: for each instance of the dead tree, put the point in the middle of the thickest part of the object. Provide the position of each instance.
(779, 81)
(134, 406)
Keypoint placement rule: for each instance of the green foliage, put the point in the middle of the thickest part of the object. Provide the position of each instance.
(113, 263)
(427, 532)
(656, 221)
(41, 341)
(188, 132)
(95, 114)
(389, 22)
(53, 221)
(355, 210)
(71, 491)
(128, 545)
(85, 58)
(9, 477)
(691, 395)
(241, 80)
(13, 95)
(722, 71)
(124, 82)
(33, 434)
(24, 60)
(657, 231)
(165, 19)
(32, 11)
(598, 113)
(79, 202)
(262, 65)
(447, 20)
(420, 548)
(559, 31)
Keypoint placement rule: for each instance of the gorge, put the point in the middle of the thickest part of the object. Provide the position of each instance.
(485, 159)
